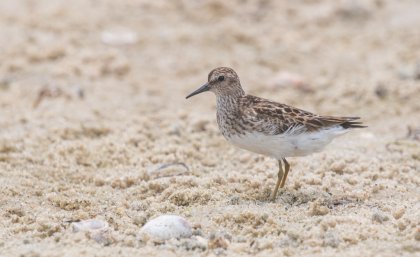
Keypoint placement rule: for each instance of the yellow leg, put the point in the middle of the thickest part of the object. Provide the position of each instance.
(279, 179)
(286, 168)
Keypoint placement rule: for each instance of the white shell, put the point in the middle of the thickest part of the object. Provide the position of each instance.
(89, 225)
(166, 227)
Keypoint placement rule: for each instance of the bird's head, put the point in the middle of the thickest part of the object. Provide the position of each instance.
(222, 81)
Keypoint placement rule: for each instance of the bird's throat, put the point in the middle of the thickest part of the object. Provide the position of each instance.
(227, 104)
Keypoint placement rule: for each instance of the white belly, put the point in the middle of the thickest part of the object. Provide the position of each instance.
(286, 145)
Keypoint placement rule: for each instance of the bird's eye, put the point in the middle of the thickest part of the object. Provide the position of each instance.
(221, 78)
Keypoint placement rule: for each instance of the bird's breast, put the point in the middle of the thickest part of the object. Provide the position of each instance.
(229, 124)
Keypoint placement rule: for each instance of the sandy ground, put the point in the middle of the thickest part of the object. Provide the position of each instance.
(92, 97)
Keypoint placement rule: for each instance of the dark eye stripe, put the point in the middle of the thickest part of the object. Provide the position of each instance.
(221, 78)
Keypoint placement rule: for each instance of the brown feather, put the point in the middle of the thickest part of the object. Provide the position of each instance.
(274, 118)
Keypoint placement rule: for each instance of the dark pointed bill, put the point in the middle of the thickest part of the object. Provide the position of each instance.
(202, 89)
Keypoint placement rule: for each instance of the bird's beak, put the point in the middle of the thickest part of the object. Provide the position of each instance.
(202, 89)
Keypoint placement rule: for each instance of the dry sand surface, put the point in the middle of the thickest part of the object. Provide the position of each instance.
(94, 125)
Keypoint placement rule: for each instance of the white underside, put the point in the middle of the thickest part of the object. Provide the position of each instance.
(289, 144)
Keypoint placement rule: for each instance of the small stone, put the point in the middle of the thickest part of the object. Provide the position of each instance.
(166, 227)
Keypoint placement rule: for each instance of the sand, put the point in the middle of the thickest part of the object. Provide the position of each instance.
(94, 125)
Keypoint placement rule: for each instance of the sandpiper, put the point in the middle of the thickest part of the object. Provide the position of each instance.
(269, 128)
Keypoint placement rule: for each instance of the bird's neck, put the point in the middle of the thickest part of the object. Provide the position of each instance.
(227, 103)
(228, 99)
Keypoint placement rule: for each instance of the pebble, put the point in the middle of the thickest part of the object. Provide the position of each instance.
(166, 227)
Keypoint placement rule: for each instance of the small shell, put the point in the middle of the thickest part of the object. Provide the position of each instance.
(89, 225)
(166, 227)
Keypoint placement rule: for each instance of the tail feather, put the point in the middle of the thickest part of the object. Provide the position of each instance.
(345, 122)
(353, 124)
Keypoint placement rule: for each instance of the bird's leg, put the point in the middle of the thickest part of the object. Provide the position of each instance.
(286, 168)
(279, 179)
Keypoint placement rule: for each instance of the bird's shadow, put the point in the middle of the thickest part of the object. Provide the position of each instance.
(293, 198)
(297, 198)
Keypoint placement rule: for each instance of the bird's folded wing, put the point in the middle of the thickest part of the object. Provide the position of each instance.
(273, 118)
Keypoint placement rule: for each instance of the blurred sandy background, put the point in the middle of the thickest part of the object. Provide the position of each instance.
(94, 125)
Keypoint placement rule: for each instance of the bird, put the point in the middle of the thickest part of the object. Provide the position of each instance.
(269, 128)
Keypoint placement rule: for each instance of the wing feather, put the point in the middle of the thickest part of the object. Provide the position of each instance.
(273, 118)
